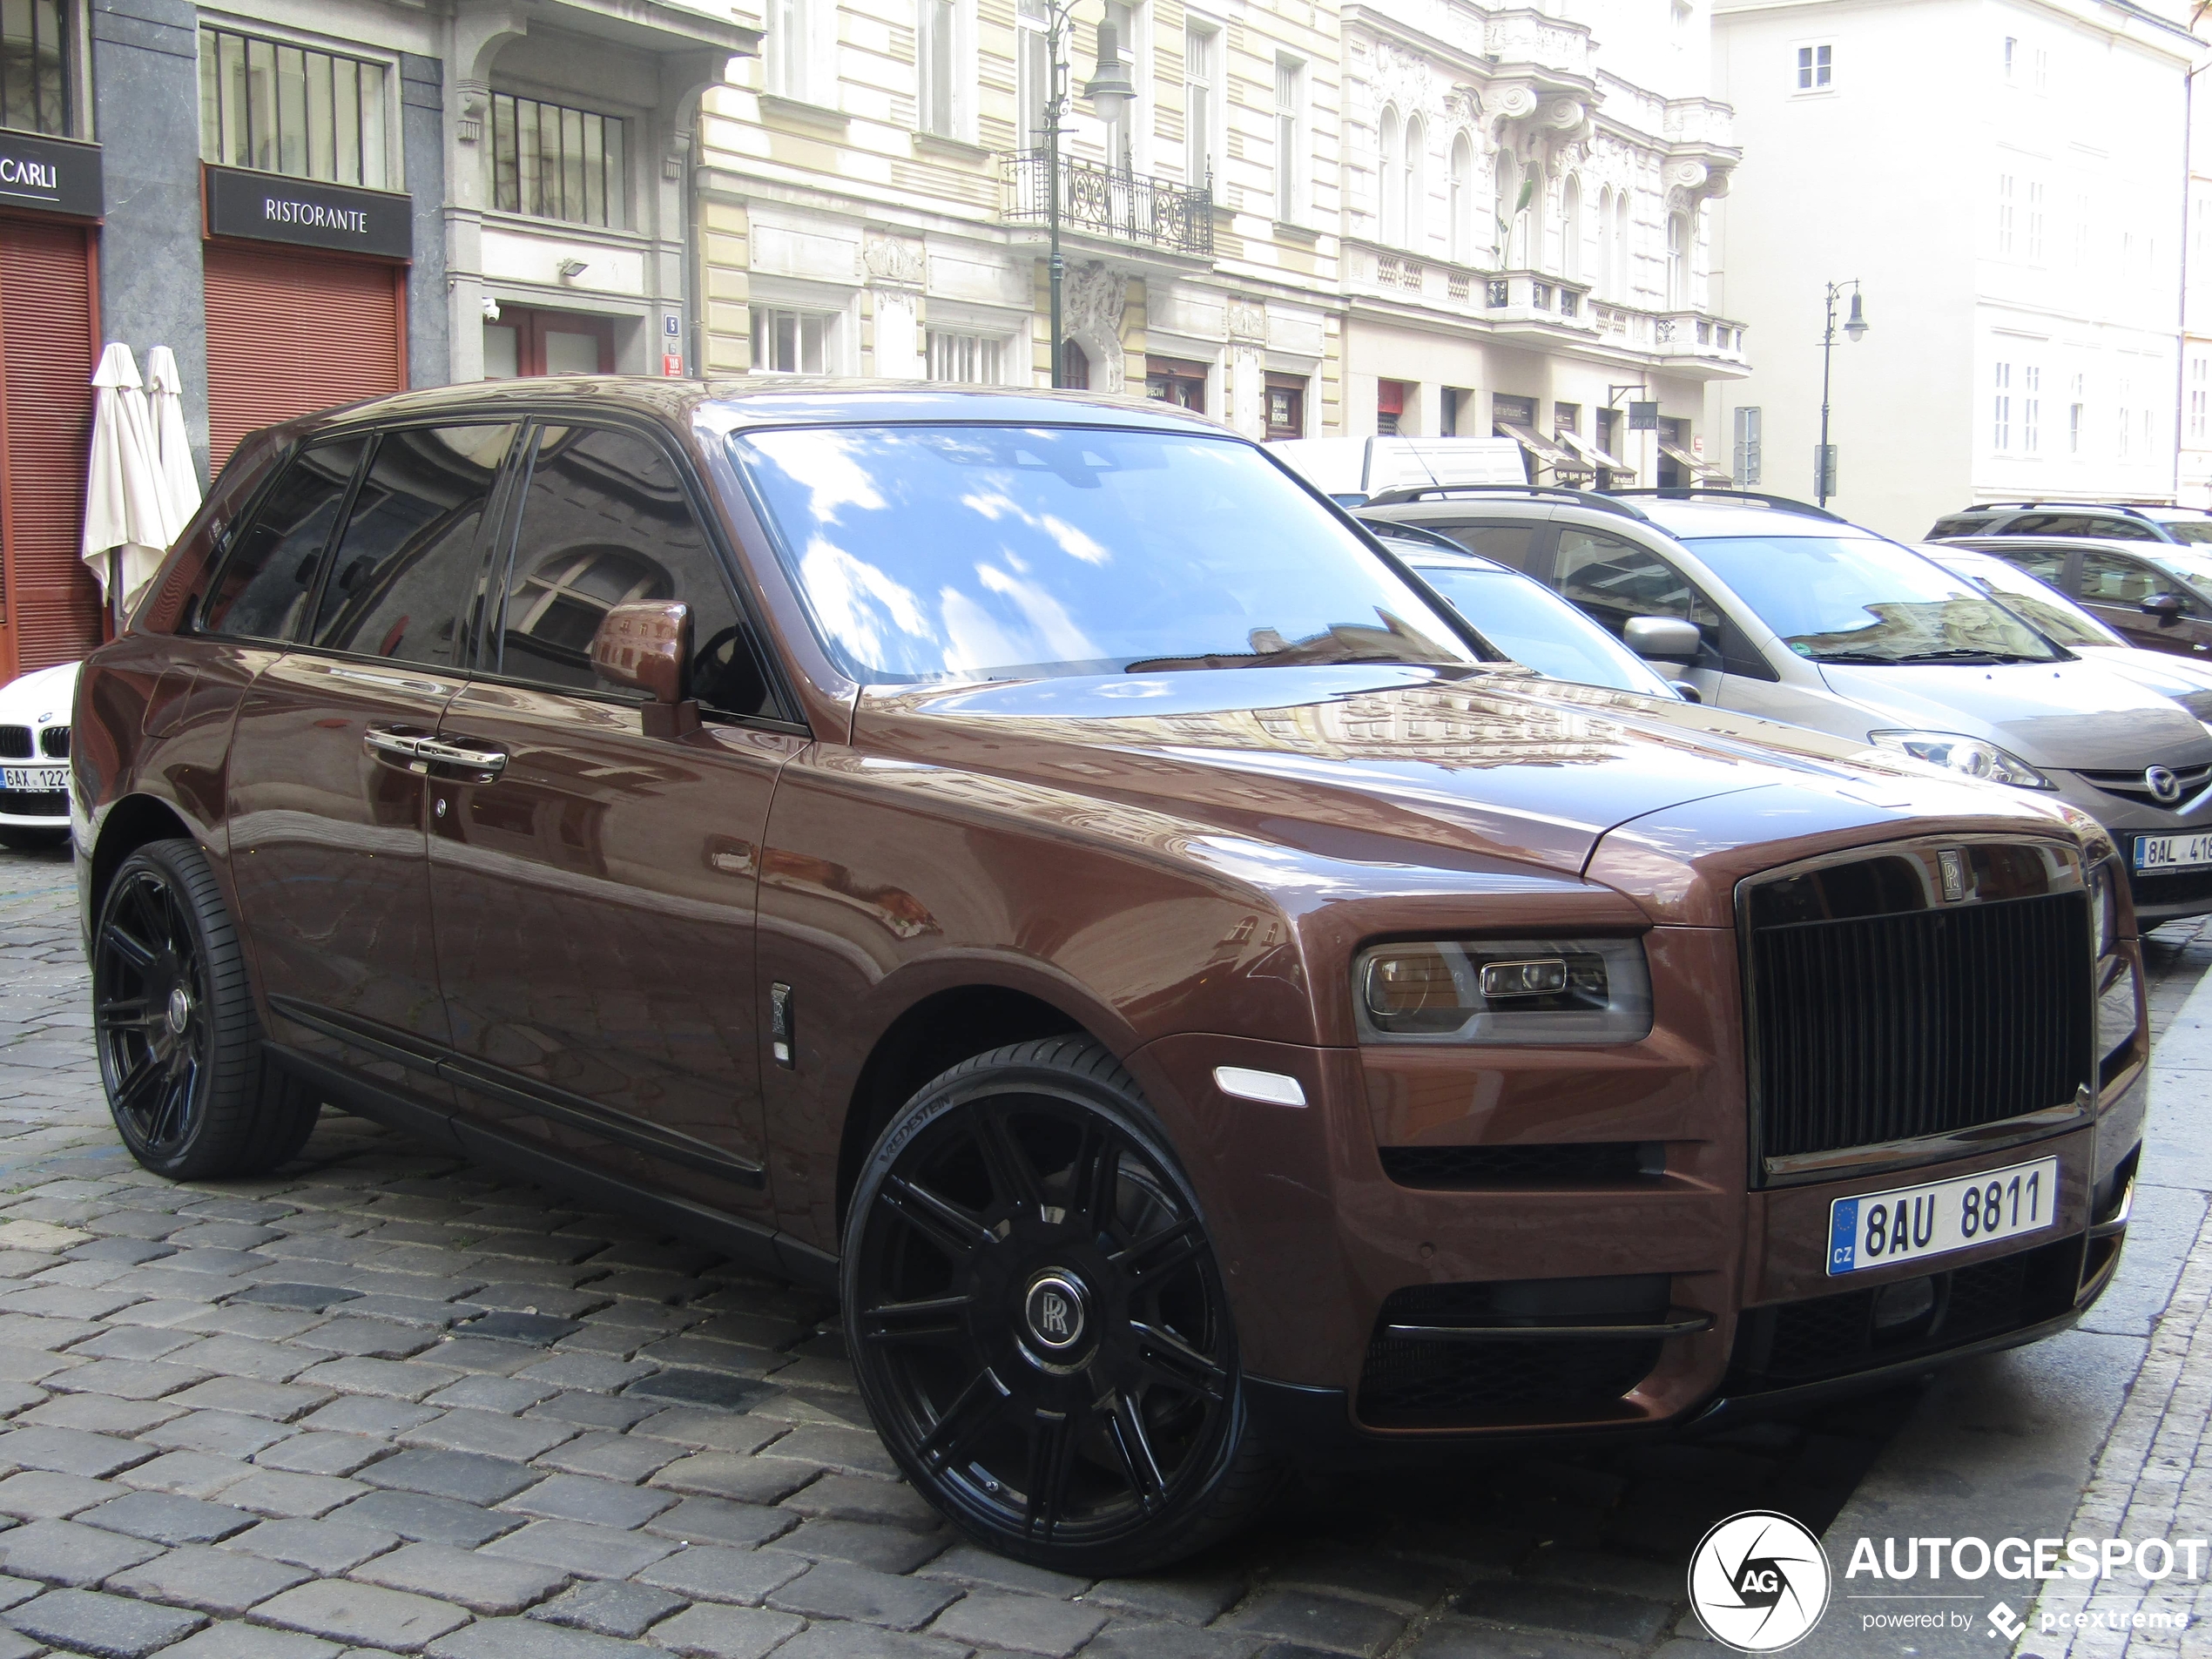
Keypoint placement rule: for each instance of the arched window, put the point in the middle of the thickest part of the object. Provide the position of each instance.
(1527, 211)
(1602, 276)
(1507, 177)
(1620, 250)
(1415, 219)
(1570, 230)
(1463, 240)
(1678, 262)
(1389, 189)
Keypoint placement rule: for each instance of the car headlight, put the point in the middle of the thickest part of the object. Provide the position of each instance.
(1532, 992)
(1976, 757)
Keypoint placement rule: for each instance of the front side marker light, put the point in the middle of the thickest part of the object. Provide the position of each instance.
(1269, 1088)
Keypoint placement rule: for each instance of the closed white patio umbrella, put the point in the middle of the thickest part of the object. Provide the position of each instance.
(127, 527)
(173, 447)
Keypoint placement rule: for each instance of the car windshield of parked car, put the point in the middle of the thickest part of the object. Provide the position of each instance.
(2050, 614)
(927, 553)
(2192, 566)
(2188, 529)
(1540, 630)
(1859, 599)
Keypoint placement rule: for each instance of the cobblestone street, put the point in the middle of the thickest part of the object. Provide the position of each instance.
(386, 1402)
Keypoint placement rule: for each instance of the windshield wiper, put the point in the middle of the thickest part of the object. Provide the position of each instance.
(1950, 654)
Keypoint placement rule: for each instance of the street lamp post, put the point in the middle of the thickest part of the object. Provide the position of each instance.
(1110, 92)
(1824, 460)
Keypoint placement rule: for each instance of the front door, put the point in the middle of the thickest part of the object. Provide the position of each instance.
(1614, 581)
(594, 887)
(365, 585)
(2115, 586)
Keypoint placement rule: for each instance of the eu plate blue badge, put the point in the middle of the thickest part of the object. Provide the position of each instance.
(1843, 1236)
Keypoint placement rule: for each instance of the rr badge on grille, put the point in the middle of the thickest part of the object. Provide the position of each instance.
(1954, 861)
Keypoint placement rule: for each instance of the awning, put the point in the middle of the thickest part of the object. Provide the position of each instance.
(1596, 457)
(1696, 466)
(1545, 452)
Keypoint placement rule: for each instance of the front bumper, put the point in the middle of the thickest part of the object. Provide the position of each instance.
(2158, 898)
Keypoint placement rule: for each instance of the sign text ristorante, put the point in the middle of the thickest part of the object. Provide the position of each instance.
(305, 211)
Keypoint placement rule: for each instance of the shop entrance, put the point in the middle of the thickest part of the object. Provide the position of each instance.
(525, 343)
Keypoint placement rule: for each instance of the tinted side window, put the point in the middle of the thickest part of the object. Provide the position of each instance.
(605, 520)
(406, 563)
(2110, 526)
(1614, 582)
(2045, 564)
(2116, 579)
(264, 590)
(1955, 526)
(1510, 544)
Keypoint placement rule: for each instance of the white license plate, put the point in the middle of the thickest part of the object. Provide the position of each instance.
(1912, 1223)
(2173, 851)
(33, 778)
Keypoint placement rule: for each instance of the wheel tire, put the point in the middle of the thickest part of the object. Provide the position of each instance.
(191, 1091)
(1038, 1325)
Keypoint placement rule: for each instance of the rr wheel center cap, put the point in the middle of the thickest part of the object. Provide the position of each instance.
(1055, 1313)
(179, 1009)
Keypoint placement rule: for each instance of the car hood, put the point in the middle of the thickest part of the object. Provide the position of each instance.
(42, 697)
(2067, 714)
(1396, 765)
(2161, 672)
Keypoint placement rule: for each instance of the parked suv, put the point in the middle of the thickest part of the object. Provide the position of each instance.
(2111, 522)
(2159, 597)
(1030, 863)
(1806, 618)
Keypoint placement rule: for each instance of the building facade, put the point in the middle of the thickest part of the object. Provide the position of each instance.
(2004, 181)
(2193, 462)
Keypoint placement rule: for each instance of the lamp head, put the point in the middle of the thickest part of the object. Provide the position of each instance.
(1108, 88)
(1855, 325)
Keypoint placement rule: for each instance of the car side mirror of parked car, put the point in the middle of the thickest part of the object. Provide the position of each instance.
(1665, 639)
(646, 645)
(1687, 692)
(2167, 607)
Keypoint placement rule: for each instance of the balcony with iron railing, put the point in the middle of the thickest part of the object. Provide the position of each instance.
(1110, 202)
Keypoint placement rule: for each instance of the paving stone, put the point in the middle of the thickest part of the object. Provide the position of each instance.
(222, 1234)
(102, 1414)
(33, 1365)
(215, 1581)
(625, 1458)
(1028, 1623)
(699, 1387)
(1191, 1597)
(312, 1299)
(466, 1477)
(213, 1261)
(426, 1310)
(853, 1497)
(15, 1590)
(853, 1451)
(527, 1638)
(323, 1546)
(19, 1397)
(69, 1451)
(345, 1611)
(224, 1640)
(62, 1552)
(568, 1497)
(888, 1549)
(165, 1518)
(724, 1632)
(710, 1430)
(467, 1355)
(378, 1338)
(236, 1318)
(1555, 1607)
(970, 1564)
(38, 1494)
(838, 1591)
(482, 1583)
(524, 1298)
(220, 1433)
(714, 1575)
(392, 1378)
(133, 1342)
(583, 1550)
(428, 1520)
(742, 1479)
(112, 1627)
(190, 1475)
(592, 1372)
(489, 1434)
(608, 1608)
(1322, 1622)
(866, 1641)
(357, 1414)
(1164, 1639)
(280, 1493)
(590, 1410)
(539, 1329)
(128, 1251)
(1404, 1586)
(316, 1454)
(717, 1520)
(242, 1361)
(1451, 1639)
(508, 1394)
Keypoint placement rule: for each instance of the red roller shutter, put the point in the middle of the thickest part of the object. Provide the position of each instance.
(52, 603)
(288, 335)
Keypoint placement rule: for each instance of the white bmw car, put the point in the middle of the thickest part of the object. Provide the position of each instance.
(34, 756)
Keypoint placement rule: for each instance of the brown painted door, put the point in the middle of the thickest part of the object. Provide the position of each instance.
(594, 887)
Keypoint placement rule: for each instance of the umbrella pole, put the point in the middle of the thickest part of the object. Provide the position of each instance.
(115, 590)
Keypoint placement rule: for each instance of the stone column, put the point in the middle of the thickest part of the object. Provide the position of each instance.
(422, 147)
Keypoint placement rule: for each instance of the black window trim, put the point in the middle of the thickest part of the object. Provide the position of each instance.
(487, 633)
(249, 515)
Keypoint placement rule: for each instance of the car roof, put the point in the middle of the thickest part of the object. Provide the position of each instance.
(1683, 517)
(1690, 519)
(2001, 545)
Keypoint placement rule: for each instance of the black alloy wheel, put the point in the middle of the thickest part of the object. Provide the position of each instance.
(1039, 1326)
(180, 1047)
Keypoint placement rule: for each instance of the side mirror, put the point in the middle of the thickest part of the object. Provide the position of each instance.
(646, 645)
(1687, 692)
(1666, 639)
(2167, 607)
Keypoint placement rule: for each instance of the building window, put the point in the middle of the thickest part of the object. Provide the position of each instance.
(965, 360)
(2031, 409)
(1170, 380)
(1414, 217)
(937, 49)
(793, 342)
(2042, 70)
(790, 50)
(34, 68)
(2074, 410)
(1032, 72)
(1749, 422)
(1290, 136)
(2001, 418)
(2035, 221)
(1570, 230)
(1816, 66)
(2012, 51)
(1390, 193)
(2126, 424)
(1201, 104)
(1678, 262)
(283, 109)
(1391, 400)
(1121, 131)
(1620, 246)
(2199, 392)
(1285, 407)
(552, 162)
(2003, 216)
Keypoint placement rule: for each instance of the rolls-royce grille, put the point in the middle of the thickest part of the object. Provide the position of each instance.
(1888, 1028)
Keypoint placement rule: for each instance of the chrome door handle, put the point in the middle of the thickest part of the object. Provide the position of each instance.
(383, 682)
(398, 746)
(472, 756)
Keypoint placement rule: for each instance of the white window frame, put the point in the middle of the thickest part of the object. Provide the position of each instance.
(79, 98)
(767, 314)
(1132, 129)
(955, 99)
(2001, 408)
(2035, 194)
(797, 53)
(2012, 55)
(2041, 63)
(1390, 193)
(2200, 400)
(2007, 241)
(1750, 431)
(1204, 58)
(965, 357)
(2077, 410)
(1032, 73)
(2031, 409)
(1413, 216)
(1812, 68)
(1291, 165)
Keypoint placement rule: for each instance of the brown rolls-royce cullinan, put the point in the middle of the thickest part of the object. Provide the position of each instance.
(1030, 863)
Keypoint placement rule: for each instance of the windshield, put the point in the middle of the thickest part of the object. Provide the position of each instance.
(2188, 529)
(2190, 564)
(927, 553)
(1858, 599)
(1541, 631)
(2050, 613)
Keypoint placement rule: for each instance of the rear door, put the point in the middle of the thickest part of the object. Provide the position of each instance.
(594, 887)
(1519, 545)
(2116, 585)
(360, 561)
